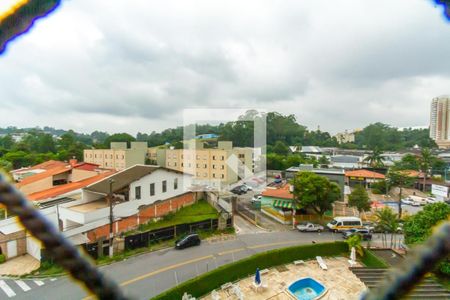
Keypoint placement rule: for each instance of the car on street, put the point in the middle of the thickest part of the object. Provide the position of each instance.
(238, 190)
(407, 201)
(365, 234)
(369, 225)
(256, 198)
(188, 241)
(246, 187)
(430, 200)
(309, 227)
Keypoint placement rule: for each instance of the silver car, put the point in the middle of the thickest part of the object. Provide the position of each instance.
(309, 227)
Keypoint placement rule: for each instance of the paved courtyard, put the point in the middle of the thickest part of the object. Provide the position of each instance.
(20, 265)
(340, 282)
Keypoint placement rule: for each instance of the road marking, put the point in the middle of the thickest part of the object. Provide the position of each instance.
(23, 285)
(160, 271)
(230, 251)
(272, 244)
(7, 289)
(53, 279)
(38, 282)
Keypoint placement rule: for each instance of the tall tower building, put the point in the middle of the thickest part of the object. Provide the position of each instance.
(440, 121)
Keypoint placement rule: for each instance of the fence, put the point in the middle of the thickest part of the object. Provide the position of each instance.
(144, 239)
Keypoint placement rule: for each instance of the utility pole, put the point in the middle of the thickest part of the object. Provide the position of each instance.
(111, 217)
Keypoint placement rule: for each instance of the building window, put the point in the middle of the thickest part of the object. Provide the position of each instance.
(222, 157)
(189, 165)
(197, 165)
(204, 166)
(241, 155)
(214, 175)
(95, 155)
(123, 156)
(175, 164)
(222, 167)
(137, 191)
(223, 176)
(111, 156)
(214, 157)
(182, 164)
(164, 186)
(175, 184)
(214, 166)
(152, 189)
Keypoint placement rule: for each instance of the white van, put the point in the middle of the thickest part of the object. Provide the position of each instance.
(344, 223)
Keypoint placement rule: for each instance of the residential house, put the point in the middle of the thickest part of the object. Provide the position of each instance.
(277, 203)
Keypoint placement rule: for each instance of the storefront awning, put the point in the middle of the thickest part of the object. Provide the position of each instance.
(283, 204)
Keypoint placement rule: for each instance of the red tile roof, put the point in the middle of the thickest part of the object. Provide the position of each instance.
(364, 173)
(86, 166)
(66, 188)
(50, 164)
(282, 192)
(39, 176)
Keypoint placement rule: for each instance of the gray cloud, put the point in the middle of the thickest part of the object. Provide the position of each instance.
(117, 66)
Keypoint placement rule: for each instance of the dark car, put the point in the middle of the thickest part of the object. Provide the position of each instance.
(238, 190)
(365, 234)
(188, 241)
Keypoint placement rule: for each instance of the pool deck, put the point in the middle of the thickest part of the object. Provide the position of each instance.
(340, 282)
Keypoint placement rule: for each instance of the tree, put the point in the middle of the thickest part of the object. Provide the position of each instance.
(315, 192)
(418, 228)
(355, 241)
(408, 162)
(323, 160)
(118, 137)
(425, 160)
(280, 148)
(359, 199)
(400, 179)
(387, 222)
(375, 159)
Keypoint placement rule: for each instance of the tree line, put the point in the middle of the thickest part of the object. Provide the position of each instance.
(282, 131)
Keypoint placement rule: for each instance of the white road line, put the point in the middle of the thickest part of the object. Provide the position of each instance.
(23, 285)
(53, 279)
(7, 289)
(38, 282)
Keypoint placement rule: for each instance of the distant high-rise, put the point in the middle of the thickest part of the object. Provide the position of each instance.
(440, 121)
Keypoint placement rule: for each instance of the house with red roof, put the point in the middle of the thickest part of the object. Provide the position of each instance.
(53, 176)
(362, 177)
(277, 203)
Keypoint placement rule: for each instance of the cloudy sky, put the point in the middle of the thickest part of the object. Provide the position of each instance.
(132, 66)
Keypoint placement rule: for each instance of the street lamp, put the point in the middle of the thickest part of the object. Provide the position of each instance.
(111, 217)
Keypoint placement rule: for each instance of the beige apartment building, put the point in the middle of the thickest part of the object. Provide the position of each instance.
(345, 137)
(119, 157)
(221, 165)
(440, 121)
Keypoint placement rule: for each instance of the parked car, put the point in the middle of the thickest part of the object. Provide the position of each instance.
(365, 234)
(238, 190)
(246, 187)
(369, 225)
(256, 199)
(188, 241)
(407, 201)
(309, 227)
(430, 200)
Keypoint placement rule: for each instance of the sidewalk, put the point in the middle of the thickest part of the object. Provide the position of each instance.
(18, 266)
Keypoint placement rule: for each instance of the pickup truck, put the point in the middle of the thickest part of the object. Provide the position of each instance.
(309, 227)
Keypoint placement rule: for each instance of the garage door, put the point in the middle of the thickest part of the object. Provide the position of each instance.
(11, 248)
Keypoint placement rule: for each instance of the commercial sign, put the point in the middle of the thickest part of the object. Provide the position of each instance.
(439, 190)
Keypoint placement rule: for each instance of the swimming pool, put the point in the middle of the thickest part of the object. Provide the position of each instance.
(306, 289)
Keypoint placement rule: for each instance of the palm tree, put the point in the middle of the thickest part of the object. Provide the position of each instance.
(375, 159)
(425, 160)
(387, 222)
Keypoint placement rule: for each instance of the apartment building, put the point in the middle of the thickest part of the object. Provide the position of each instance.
(440, 121)
(345, 137)
(222, 165)
(118, 157)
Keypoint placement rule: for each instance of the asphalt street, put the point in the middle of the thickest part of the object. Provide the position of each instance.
(147, 275)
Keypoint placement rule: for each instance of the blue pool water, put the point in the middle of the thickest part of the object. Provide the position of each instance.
(306, 289)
